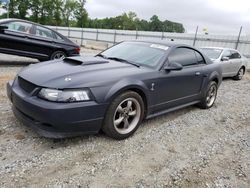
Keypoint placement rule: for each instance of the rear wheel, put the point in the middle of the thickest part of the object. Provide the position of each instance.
(210, 97)
(58, 55)
(240, 74)
(124, 115)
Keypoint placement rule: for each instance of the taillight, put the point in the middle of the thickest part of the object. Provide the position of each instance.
(78, 50)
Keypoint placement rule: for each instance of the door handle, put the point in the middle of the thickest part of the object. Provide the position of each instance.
(197, 74)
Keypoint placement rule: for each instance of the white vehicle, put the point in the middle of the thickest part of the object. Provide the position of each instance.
(233, 63)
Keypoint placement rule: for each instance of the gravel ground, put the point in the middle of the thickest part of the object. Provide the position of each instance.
(186, 148)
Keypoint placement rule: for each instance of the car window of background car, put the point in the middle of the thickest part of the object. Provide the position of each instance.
(184, 56)
(235, 55)
(211, 53)
(58, 37)
(227, 53)
(141, 53)
(43, 32)
(19, 27)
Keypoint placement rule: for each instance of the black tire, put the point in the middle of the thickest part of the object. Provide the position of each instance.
(206, 100)
(112, 113)
(240, 74)
(58, 55)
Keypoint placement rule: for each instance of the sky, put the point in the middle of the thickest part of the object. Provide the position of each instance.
(217, 16)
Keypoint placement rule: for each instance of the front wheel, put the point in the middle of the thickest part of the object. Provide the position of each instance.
(240, 74)
(124, 115)
(210, 97)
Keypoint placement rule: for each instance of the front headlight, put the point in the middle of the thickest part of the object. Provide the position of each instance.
(64, 95)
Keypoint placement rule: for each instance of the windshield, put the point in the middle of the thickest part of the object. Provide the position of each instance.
(211, 52)
(140, 53)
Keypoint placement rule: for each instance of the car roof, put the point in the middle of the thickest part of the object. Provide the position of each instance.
(162, 42)
(219, 48)
(16, 19)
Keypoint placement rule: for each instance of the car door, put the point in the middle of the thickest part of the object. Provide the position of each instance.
(236, 62)
(183, 86)
(43, 40)
(226, 63)
(14, 39)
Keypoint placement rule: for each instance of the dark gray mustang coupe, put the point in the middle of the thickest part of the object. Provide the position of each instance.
(113, 91)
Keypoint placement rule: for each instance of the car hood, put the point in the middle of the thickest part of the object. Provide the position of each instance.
(78, 72)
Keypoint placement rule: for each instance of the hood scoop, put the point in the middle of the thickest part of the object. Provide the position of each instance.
(84, 60)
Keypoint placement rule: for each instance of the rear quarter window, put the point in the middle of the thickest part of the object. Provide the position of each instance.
(44, 32)
(235, 55)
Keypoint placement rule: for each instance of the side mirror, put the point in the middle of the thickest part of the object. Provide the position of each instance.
(173, 67)
(2, 28)
(225, 58)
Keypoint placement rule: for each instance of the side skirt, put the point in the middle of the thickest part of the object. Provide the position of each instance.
(171, 109)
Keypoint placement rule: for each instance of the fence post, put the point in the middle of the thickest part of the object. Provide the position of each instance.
(82, 37)
(97, 33)
(238, 39)
(162, 35)
(115, 37)
(68, 32)
(136, 33)
(195, 36)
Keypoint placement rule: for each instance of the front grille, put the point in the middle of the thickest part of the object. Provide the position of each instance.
(26, 85)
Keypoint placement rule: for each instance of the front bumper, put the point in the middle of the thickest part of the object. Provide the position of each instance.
(55, 120)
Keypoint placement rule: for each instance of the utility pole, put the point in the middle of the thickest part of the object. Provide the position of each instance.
(238, 39)
(195, 36)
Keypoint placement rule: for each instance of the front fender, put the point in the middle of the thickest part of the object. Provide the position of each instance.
(126, 84)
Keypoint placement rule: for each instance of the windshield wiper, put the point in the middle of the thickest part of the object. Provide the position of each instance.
(123, 60)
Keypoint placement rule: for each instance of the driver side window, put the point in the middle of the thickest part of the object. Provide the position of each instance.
(227, 53)
(183, 56)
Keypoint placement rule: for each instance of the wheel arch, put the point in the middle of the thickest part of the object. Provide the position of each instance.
(244, 68)
(215, 76)
(58, 49)
(124, 86)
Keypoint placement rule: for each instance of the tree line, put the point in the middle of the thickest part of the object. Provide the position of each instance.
(72, 13)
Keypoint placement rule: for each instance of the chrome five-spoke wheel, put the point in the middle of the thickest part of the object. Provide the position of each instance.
(124, 115)
(127, 115)
(211, 95)
(58, 55)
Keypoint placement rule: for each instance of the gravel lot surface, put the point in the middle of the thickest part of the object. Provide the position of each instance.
(186, 148)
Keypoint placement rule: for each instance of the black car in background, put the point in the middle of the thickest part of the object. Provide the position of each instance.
(24, 38)
(113, 91)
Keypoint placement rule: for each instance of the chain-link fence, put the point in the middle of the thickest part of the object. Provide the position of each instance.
(80, 35)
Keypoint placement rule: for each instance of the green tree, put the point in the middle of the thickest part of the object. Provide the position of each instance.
(35, 6)
(22, 7)
(155, 24)
(73, 13)
(81, 14)
(68, 9)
